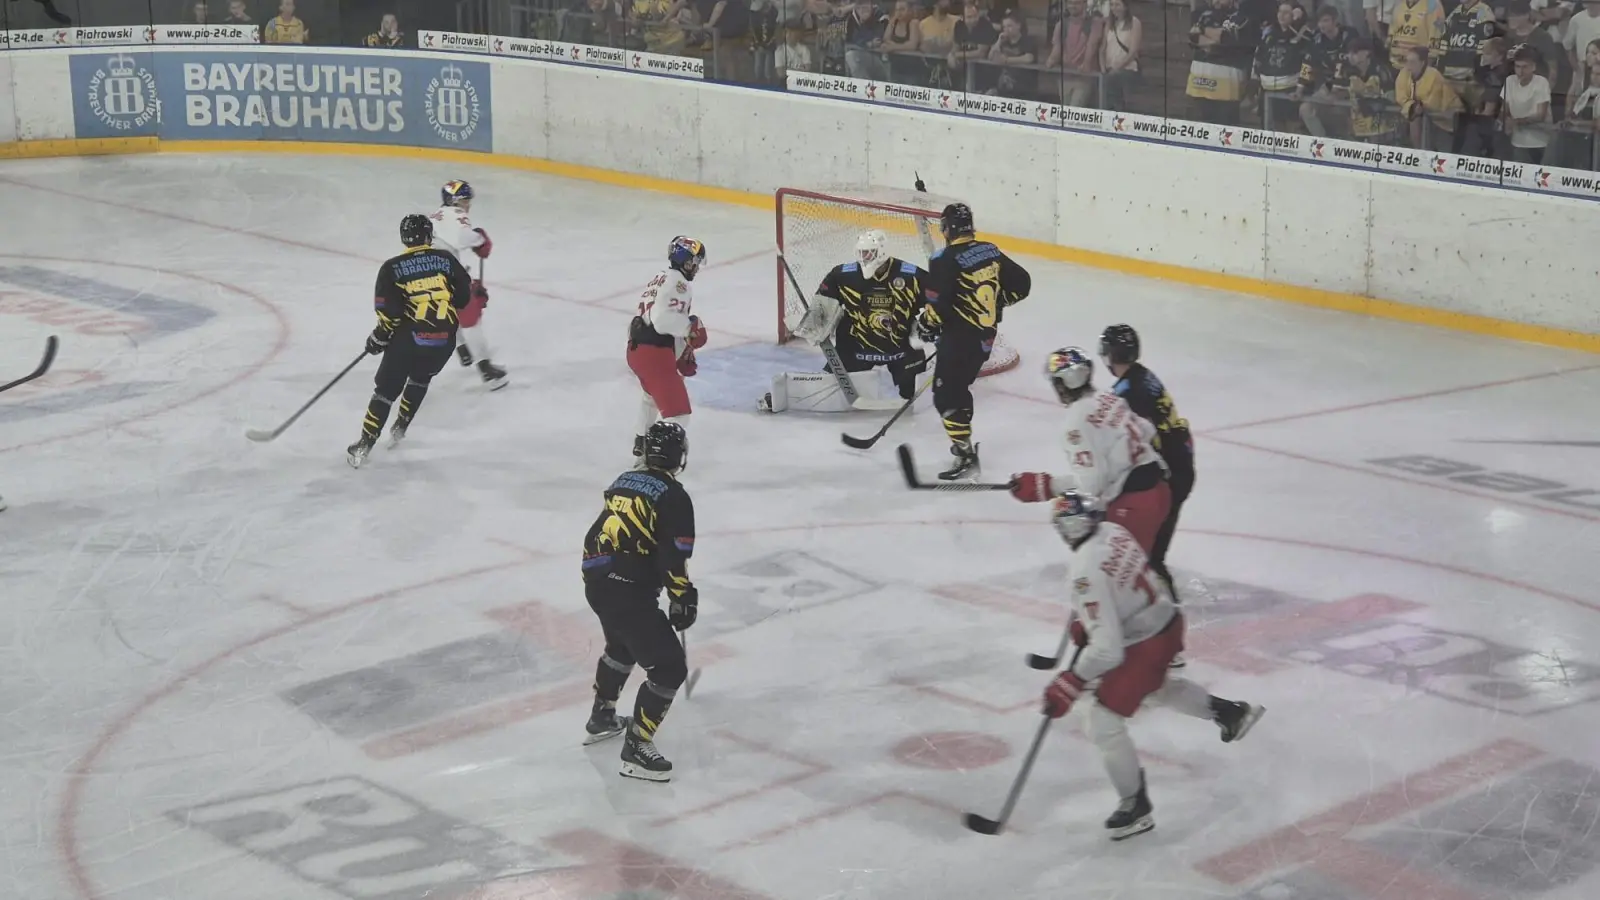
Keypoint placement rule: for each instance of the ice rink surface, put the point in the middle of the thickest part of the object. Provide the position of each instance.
(244, 671)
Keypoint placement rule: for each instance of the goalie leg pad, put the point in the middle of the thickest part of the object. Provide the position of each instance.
(819, 391)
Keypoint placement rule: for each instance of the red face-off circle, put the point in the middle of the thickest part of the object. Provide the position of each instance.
(951, 750)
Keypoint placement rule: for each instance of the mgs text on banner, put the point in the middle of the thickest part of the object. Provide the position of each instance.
(355, 98)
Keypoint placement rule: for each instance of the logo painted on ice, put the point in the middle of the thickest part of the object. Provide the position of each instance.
(122, 94)
(452, 105)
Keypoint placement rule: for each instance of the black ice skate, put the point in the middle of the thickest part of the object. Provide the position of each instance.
(966, 464)
(465, 355)
(397, 433)
(641, 759)
(604, 723)
(356, 453)
(1132, 816)
(1235, 719)
(493, 375)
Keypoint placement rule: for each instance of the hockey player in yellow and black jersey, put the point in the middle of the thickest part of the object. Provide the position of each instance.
(880, 297)
(417, 296)
(640, 543)
(1149, 399)
(970, 283)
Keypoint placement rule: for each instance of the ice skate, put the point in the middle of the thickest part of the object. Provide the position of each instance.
(357, 453)
(493, 375)
(604, 723)
(765, 403)
(966, 464)
(641, 759)
(397, 433)
(465, 355)
(1235, 719)
(1132, 816)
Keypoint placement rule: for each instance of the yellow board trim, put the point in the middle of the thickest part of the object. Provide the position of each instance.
(1238, 284)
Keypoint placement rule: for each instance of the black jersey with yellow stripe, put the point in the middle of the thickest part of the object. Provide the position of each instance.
(970, 283)
(645, 534)
(419, 292)
(1150, 400)
(878, 311)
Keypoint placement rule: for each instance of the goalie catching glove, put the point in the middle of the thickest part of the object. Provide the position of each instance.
(819, 322)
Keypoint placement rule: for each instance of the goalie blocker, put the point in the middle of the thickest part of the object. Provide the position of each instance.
(864, 311)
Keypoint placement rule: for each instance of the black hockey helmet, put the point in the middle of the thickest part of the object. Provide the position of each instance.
(1119, 345)
(416, 230)
(956, 221)
(666, 447)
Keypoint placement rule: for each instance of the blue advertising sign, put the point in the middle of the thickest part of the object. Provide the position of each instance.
(294, 96)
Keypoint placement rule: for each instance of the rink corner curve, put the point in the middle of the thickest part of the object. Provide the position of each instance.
(1239, 284)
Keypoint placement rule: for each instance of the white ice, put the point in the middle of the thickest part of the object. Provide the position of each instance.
(243, 671)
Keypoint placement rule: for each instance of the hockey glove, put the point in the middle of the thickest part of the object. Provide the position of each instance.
(684, 609)
(480, 293)
(377, 341)
(697, 333)
(1061, 694)
(928, 329)
(1031, 487)
(487, 247)
(686, 364)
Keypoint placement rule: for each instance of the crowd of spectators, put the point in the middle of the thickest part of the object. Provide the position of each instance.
(285, 26)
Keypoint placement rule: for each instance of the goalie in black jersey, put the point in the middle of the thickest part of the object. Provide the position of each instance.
(866, 310)
(970, 284)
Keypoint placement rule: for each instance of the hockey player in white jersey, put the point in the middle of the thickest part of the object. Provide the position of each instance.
(663, 337)
(1110, 451)
(454, 231)
(1128, 630)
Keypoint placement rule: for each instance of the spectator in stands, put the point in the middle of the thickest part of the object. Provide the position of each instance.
(1122, 41)
(1223, 40)
(1368, 81)
(1480, 125)
(863, 42)
(1575, 146)
(1279, 57)
(1075, 50)
(1413, 23)
(1015, 48)
(200, 14)
(938, 30)
(238, 14)
(792, 54)
(974, 35)
(902, 33)
(284, 28)
(1582, 30)
(764, 38)
(661, 22)
(602, 23)
(388, 33)
(1324, 57)
(1467, 28)
(1428, 103)
(1522, 29)
(727, 29)
(1527, 106)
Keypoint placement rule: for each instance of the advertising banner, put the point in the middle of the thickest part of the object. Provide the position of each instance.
(366, 99)
(126, 36)
(559, 51)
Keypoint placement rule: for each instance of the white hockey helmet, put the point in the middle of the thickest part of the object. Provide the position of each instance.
(1075, 516)
(872, 250)
(1071, 373)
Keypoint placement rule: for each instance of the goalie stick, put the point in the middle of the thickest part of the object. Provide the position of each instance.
(867, 442)
(261, 436)
(51, 343)
(984, 825)
(908, 468)
(831, 355)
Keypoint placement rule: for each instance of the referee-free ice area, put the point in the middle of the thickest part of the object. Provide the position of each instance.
(231, 670)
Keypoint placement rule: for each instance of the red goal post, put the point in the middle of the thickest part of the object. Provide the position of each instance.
(817, 230)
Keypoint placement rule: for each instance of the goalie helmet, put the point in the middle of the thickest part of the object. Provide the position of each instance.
(666, 447)
(456, 193)
(1119, 345)
(416, 230)
(1075, 516)
(686, 255)
(1071, 373)
(872, 251)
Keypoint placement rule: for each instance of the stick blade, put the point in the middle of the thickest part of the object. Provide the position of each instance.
(51, 344)
(260, 436)
(858, 443)
(981, 825)
(690, 682)
(1035, 661)
(908, 465)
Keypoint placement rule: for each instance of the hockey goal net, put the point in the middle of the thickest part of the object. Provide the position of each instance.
(817, 230)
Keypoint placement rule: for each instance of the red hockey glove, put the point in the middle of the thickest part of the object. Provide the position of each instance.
(1080, 635)
(697, 333)
(686, 363)
(1031, 487)
(480, 293)
(1061, 694)
(487, 247)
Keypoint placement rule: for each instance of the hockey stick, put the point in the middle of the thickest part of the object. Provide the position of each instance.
(1036, 661)
(261, 437)
(908, 467)
(694, 674)
(831, 355)
(994, 826)
(866, 443)
(51, 343)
